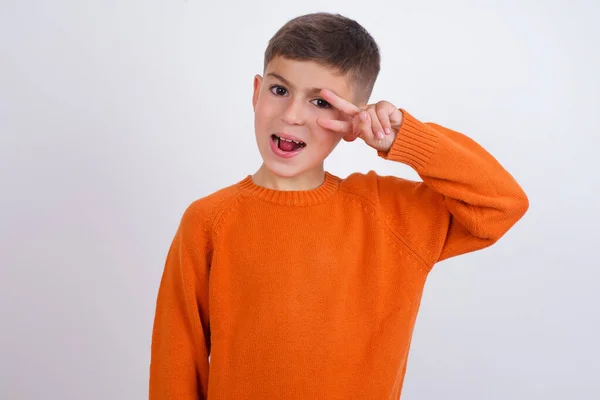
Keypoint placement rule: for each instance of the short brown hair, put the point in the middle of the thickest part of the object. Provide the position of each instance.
(331, 40)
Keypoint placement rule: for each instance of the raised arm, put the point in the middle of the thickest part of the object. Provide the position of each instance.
(482, 200)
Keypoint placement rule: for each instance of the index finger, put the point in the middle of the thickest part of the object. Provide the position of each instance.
(341, 104)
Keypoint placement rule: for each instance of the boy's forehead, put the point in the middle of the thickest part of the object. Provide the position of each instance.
(309, 76)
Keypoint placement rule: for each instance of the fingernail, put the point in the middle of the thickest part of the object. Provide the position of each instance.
(380, 135)
(388, 131)
(363, 116)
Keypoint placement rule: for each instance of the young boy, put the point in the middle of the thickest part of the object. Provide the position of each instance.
(303, 285)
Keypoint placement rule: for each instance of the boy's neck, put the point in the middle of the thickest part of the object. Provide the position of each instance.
(307, 180)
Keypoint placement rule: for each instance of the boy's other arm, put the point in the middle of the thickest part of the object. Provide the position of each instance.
(483, 200)
(181, 334)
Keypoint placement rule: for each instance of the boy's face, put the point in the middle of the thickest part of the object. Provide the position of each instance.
(287, 103)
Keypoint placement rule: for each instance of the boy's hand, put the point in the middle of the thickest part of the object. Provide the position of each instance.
(376, 124)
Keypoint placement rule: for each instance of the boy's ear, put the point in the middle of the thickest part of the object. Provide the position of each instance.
(361, 102)
(257, 85)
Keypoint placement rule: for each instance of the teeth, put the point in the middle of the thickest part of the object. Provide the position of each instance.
(290, 140)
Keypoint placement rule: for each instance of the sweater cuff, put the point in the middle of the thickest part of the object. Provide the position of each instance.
(414, 144)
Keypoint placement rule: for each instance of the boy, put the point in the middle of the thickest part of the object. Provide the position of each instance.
(303, 285)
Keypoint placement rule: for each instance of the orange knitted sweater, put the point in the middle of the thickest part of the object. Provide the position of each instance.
(314, 294)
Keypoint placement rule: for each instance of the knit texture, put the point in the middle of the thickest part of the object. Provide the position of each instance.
(314, 294)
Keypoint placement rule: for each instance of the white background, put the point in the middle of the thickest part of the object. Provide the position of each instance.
(115, 115)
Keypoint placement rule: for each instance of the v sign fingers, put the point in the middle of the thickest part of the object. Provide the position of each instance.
(341, 104)
(377, 124)
(342, 127)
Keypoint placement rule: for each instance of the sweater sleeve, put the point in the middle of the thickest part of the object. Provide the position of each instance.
(467, 200)
(181, 335)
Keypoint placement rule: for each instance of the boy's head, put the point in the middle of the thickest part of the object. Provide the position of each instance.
(310, 52)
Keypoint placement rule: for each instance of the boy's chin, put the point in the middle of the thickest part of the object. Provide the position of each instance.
(291, 171)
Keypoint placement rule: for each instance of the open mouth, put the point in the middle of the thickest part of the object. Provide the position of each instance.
(287, 144)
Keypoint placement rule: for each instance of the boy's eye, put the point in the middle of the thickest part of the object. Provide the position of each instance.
(281, 91)
(278, 90)
(322, 103)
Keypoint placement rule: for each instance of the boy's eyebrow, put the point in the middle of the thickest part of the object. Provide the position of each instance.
(281, 78)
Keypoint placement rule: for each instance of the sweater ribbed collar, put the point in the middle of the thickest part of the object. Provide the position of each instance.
(317, 195)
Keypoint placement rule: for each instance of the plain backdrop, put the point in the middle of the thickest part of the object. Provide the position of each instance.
(116, 115)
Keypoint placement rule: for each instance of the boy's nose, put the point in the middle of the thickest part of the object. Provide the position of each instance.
(294, 114)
